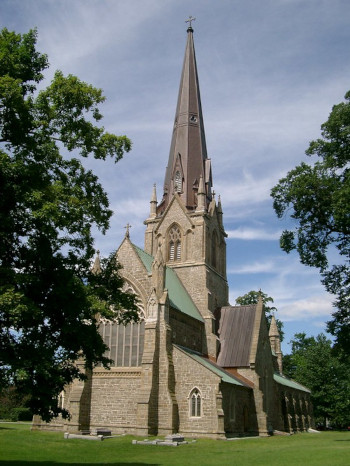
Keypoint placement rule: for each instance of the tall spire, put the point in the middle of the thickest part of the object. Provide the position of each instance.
(188, 159)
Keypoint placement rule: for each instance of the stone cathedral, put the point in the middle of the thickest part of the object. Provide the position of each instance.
(192, 364)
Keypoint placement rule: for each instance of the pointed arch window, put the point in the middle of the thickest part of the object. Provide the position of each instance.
(195, 403)
(175, 243)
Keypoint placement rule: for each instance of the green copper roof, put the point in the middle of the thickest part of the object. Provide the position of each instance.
(178, 296)
(283, 380)
(147, 259)
(225, 376)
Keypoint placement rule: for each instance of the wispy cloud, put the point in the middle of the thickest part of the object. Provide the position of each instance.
(253, 234)
(313, 307)
(267, 266)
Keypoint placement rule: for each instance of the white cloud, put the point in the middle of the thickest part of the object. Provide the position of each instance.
(267, 266)
(253, 234)
(312, 307)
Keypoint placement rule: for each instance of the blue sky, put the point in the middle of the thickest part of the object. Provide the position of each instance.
(270, 72)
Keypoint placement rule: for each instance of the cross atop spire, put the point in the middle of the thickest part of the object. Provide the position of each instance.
(127, 228)
(189, 20)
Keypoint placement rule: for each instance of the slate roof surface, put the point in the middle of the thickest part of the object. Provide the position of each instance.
(178, 295)
(236, 324)
(283, 380)
(225, 376)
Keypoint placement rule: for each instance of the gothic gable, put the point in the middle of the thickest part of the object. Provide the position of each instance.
(175, 212)
(134, 270)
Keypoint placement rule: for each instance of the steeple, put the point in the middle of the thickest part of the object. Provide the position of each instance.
(188, 160)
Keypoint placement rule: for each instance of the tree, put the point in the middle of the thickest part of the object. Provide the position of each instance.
(317, 197)
(49, 299)
(13, 405)
(314, 364)
(252, 297)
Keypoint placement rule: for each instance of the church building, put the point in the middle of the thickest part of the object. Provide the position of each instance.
(193, 364)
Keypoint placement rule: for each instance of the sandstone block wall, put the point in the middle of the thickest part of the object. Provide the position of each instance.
(186, 331)
(239, 410)
(114, 400)
(189, 374)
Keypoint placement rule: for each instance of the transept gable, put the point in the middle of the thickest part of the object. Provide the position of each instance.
(127, 256)
(133, 270)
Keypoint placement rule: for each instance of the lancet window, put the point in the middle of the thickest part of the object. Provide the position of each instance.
(195, 403)
(175, 243)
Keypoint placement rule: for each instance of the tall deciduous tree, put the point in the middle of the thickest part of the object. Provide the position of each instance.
(317, 197)
(313, 363)
(252, 297)
(49, 299)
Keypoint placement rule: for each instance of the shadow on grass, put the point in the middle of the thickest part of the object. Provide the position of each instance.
(55, 463)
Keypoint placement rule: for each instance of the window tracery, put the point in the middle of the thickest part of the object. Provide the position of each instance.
(195, 403)
(175, 243)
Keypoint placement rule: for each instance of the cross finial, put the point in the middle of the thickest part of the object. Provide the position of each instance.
(127, 233)
(189, 20)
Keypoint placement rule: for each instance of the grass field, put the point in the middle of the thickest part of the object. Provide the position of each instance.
(21, 447)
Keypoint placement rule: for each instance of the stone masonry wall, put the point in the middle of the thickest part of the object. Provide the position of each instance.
(186, 331)
(239, 409)
(114, 399)
(189, 374)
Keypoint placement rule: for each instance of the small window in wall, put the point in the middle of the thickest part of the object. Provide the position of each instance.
(178, 182)
(175, 244)
(195, 403)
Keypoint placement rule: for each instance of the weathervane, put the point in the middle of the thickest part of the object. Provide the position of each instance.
(189, 20)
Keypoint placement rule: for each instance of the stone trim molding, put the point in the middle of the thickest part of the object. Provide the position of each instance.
(118, 372)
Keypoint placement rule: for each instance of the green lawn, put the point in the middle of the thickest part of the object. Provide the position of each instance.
(20, 446)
